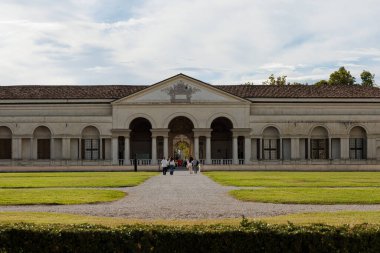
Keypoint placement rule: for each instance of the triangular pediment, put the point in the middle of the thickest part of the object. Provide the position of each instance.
(181, 89)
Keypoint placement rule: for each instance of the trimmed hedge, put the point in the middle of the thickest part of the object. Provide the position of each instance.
(248, 237)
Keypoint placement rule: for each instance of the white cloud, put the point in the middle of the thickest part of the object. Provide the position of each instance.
(217, 41)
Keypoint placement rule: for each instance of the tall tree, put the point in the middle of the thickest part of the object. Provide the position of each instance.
(272, 80)
(368, 79)
(341, 77)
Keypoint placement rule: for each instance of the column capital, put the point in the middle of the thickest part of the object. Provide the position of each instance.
(198, 132)
(164, 132)
(236, 132)
(121, 132)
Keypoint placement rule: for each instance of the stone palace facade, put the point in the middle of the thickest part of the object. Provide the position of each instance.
(226, 127)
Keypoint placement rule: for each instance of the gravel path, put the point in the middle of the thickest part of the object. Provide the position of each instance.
(183, 196)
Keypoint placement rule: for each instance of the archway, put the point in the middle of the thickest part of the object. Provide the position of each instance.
(181, 145)
(319, 143)
(43, 136)
(358, 143)
(181, 138)
(141, 138)
(221, 138)
(90, 143)
(271, 143)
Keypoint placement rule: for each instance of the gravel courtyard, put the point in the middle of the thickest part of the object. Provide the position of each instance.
(183, 196)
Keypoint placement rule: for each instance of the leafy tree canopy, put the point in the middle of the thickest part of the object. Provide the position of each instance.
(272, 80)
(341, 77)
(368, 79)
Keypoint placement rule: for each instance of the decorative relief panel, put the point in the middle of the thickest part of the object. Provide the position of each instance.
(180, 92)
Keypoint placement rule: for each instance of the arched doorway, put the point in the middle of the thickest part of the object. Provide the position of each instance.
(358, 143)
(43, 136)
(181, 147)
(90, 143)
(319, 143)
(221, 138)
(141, 139)
(181, 138)
(271, 143)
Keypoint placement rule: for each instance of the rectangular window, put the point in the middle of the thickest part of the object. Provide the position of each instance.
(5, 148)
(43, 148)
(258, 149)
(357, 148)
(270, 149)
(319, 148)
(91, 149)
(286, 148)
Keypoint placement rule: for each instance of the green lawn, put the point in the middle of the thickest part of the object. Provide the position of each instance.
(73, 179)
(57, 196)
(297, 179)
(303, 187)
(330, 218)
(60, 187)
(293, 195)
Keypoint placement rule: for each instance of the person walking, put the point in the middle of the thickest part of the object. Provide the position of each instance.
(190, 165)
(195, 166)
(171, 165)
(164, 166)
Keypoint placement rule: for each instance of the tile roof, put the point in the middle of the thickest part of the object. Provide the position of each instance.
(244, 91)
(301, 91)
(68, 92)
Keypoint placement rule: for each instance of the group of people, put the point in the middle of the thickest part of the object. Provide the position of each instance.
(170, 164)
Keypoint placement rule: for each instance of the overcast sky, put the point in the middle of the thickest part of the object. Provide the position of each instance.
(216, 41)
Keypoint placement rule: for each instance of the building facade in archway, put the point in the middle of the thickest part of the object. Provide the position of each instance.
(232, 125)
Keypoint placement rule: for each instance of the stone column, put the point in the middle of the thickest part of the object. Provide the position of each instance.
(280, 150)
(33, 149)
(127, 158)
(16, 148)
(79, 148)
(371, 147)
(154, 150)
(236, 132)
(52, 149)
(164, 132)
(295, 148)
(196, 147)
(247, 149)
(330, 149)
(235, 159)
(345, 148)
(115, 151)
(309, 152)
(166, 147)
(101, 149)
(208, 149)
(66, 148)
(206, 132)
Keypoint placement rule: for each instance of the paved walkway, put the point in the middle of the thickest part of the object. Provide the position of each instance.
(183, 196)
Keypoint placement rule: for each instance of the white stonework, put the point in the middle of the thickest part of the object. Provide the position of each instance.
(221, 129)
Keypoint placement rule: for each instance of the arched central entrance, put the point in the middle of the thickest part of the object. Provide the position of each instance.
(181, 139)
(181, 145)
(141, 139)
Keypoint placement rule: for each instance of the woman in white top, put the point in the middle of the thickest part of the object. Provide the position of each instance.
(190, 165)
(164, 166)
